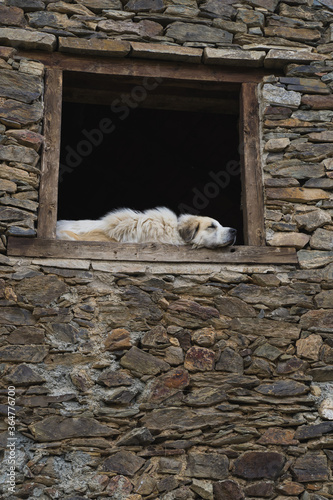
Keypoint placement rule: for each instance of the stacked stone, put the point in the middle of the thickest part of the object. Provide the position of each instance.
(232, 32)
(298, 160)
(169, 386)
(21, 112)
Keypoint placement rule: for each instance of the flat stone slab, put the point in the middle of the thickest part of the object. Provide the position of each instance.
(278, 58)
(187, 32)
(94, 47)
(29, 40)
(55, 428)
(226, 57)
(165, 52)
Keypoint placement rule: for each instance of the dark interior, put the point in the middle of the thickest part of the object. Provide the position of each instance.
(187, 161)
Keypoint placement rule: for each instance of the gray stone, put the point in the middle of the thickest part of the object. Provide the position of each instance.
(23, 375)
(324, 299)
(205, 397)
(283, 388)
(29, 40)
(312, 259)
(23, 354)
(145, 5)
(233, 56)
(282, 295)
(266, 327)
(227, 490)
(268, 351)
(41, 290)
(18, 86)
(165, 52)
(16, 316)
(322, 239)
(218, 9)
(278, 96)
(207, 465)
(136, 437)
(187, 32)
(99, 5)
(230, 361)
(19, 154)
(234, 307)
(259, 465)
(144, 29)
(311, 467)
(312, 220)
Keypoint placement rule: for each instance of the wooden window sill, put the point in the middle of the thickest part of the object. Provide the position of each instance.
(151, 252)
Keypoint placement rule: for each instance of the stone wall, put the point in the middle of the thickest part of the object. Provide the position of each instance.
(136, 381)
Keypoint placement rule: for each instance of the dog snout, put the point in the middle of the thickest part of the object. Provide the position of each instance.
(233, 232)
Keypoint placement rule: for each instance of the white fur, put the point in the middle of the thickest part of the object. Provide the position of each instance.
(159, 225)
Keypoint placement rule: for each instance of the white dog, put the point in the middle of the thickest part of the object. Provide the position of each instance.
(158, 225)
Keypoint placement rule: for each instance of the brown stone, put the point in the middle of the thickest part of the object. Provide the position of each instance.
(8, 186)
(290, 488)
(156, 337)
(206, 396)
(99, 5)
(182, 419)
(23, 354)
(270, 5)
(227, 490)
(12, 16)
(207, 465)
(320, 320)
(278, 436)
(65, 8)
(309, 347)
(205, 337)
(23, 375)
(322, 239)
(259, 465)
(282, 295)
(41, 290)
(144, 29)
(55, 428)
(117, 378)
(261, 490)
(41, 19)
(298, 195)
(119, 487)
(311, 467)
(118, 340)
(145, 5)
(16, 316)
(234, 307)
(123, 462)
(326, 136)
(165, 52)
(266, 327)
(94, 47)
(166, 385)
(277, 58)
(324, 299)
(199, 359)
(309, 85)
(324, 374)
(26, 138)
(26, 335)
(318, 101)
(292, 365)
(297, 34)
(233, 56)
(17, 114)
(283, 388)
(143, 363)
(190, 314)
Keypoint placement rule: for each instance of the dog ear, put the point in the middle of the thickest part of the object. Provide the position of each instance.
(188, 229)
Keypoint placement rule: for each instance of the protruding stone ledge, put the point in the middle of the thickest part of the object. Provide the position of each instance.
(278, 58)
(94, 47)
(166, 52)
(232, 56)
(29, 40)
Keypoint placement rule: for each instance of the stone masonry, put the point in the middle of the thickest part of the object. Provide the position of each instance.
(142, 381)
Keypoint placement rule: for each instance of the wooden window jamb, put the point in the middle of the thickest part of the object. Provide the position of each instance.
(252, 185)
(48, 191)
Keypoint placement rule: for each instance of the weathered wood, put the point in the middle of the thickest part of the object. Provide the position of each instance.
(35, 247)
(252, 185)
(48, 192)
(141, 68)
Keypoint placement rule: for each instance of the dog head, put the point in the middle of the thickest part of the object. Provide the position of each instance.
(205, 232)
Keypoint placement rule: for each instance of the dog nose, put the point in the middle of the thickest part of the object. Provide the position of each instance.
(233, 232)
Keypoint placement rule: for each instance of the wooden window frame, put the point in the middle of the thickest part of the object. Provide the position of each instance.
(45, 244)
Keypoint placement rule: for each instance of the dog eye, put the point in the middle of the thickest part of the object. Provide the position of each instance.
(212, 226)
